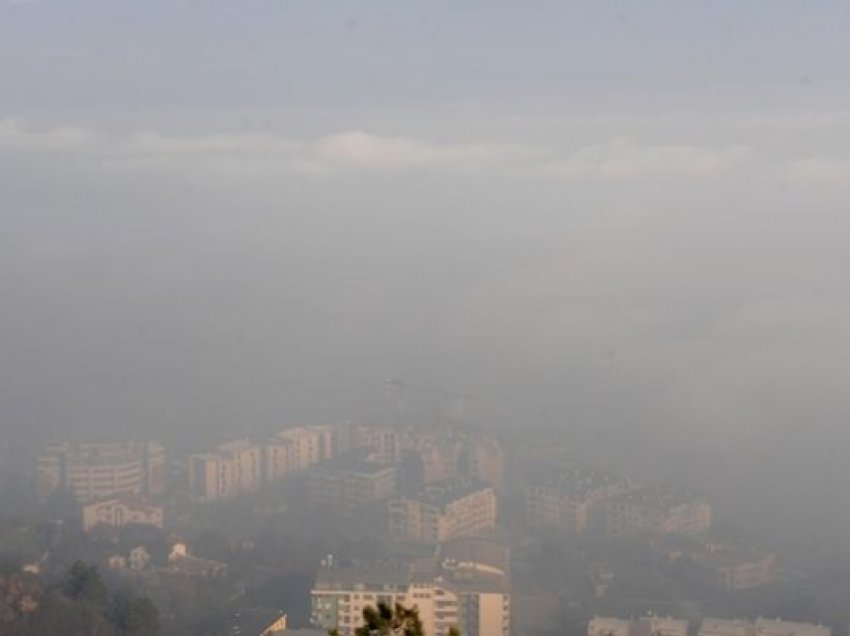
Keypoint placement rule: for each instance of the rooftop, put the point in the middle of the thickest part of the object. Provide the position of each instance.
(443, 492)
(577, 482)
(661, 498)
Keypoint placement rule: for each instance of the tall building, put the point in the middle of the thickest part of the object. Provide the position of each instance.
(659, 511)
(566, 500)
(97, 470)
(444, 510)
(233, 468)
(350, 481)
(447, 594)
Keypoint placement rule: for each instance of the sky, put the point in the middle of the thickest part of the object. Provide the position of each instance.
(231, 216)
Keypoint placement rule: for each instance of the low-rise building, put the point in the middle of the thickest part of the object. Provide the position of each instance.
(350, 481)
(566, 499)
(444, 510)
(651, 625)
(122, 510)
(658, 511)
(182, 562)
(760, 627)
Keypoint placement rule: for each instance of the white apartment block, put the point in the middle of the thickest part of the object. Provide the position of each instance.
(477, 603)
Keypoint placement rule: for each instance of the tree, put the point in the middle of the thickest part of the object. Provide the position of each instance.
(133, 615)
(387, 621)
(85, 584)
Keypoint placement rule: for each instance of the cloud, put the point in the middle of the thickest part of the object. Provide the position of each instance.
(817, 173)
(623, 159)
(244, 154)
(360, 149)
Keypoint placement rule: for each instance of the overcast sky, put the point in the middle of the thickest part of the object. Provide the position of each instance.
(229, 215)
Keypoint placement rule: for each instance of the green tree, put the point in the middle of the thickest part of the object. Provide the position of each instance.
(384, 620)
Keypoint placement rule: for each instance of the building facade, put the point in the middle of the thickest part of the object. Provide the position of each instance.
(121, 511)
(97, 470)
(349, 482)
(232, 469)
(566, 500)
(448, 509)
(446, 595)
(658, 511)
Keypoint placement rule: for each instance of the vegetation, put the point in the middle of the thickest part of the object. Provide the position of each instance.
(79, 605)
(388, 621)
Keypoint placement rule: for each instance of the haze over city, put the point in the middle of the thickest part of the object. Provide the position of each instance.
(614, 227)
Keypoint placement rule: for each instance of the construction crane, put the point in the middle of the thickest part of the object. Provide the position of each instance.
(400, 389)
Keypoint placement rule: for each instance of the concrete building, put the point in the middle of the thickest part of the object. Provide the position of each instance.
(122, 510)
(566, 500)
(454, 453)
(97, 470)
(232, 469)
(450, 594)
(382, 443)
(298, 448)
(644, 626)
(658, 511)
(760, 627)
(444, 510)
(350, 481)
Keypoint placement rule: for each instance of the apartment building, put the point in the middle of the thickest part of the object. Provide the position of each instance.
(446, 594)
(759, 627)
(298, 448)
(233, 468)
(651, 625)
(350, 481)
(383, 443)
(122, 510)
(444, 510)
(97, 470)
(454, 453)
(659, 511)
(566, 500)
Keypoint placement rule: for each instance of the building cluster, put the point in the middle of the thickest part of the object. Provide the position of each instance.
(575, 500)
(665, 626)
(94, 471)
(347, 458)
(465, 585)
